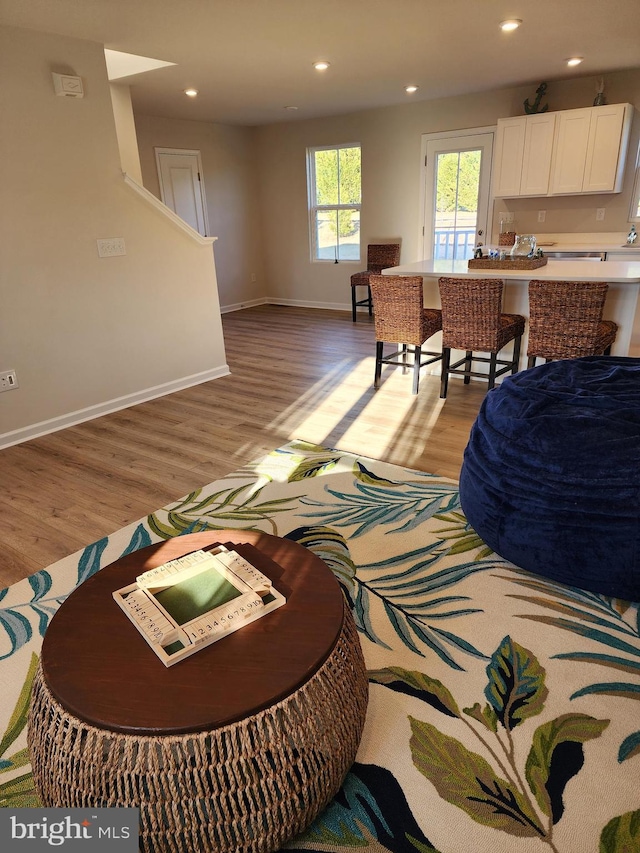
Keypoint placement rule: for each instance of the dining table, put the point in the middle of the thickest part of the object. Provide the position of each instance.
(622, 304)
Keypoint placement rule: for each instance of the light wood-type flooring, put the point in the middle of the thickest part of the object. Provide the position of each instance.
(295, 373)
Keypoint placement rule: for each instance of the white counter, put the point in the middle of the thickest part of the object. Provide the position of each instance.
(609, 242)
(611, 271)
(622, 298)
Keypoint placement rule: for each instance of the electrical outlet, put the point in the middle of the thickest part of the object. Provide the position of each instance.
(542, 215)
(600, 214)
(253, 277)
(111, 247)
(8, 380)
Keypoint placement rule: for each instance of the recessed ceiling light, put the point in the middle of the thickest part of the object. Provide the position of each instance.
(511, 24)
(291, 108)
(574, 60)
(191, 92)
(321, 66)
(411, 89)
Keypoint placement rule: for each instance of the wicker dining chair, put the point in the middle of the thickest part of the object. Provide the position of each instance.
(565, 320)
(401, 318)
(380, 256)
(472, 319)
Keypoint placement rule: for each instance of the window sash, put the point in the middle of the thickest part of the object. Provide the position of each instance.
(339, 241)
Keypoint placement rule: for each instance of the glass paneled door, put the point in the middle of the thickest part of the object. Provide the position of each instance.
(457, 185)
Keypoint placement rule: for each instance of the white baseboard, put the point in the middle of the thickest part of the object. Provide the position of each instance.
(289, 303)
(18, 436)
(301, 303)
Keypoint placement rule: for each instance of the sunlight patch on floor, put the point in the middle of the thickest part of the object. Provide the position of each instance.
(332, 414)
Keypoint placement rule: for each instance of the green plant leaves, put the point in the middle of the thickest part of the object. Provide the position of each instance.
(18, 792)
(466, 779)
(498, 796)
(622, 834)
(18, 719)
(429, 689)
(516, 689)
(578, 728)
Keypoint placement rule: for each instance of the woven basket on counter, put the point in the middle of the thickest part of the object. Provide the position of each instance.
(507, 264)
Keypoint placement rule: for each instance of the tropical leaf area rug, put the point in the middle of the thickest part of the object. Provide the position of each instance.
(503, 709)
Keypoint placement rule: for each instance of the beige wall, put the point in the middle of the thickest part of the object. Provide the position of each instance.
(126, 131)
(231, 183)
(391, 176)
(82, 332)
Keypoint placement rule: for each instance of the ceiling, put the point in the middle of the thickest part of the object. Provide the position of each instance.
(250, 59)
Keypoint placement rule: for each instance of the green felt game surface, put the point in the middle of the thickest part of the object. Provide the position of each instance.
(196, 596)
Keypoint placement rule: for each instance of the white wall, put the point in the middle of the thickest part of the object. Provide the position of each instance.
(84, 333)
(391, 175)
(231, 186)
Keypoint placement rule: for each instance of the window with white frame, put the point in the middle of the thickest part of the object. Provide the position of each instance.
(334, 176)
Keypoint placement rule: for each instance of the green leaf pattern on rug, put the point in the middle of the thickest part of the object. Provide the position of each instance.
(18, 792)
(461, 534)
(577, 728)
(238, 507)
(332, 548)
(400, 506)
(609, 622)
(516, 689)
(502, 796)
(464, 778)
(622, 834)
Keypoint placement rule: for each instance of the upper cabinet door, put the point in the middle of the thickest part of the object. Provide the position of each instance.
(508, 157)
(590, 150)
(536, 162)
(570, 151)
(607, 148)
(523, 155)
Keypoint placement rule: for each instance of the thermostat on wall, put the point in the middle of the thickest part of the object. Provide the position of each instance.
(67, 85)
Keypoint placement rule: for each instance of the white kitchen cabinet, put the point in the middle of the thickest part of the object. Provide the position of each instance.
(538, 146)
(568, 152)
(590, 149)
(523, 155)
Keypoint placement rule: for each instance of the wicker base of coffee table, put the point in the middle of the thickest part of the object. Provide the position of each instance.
(243, 788)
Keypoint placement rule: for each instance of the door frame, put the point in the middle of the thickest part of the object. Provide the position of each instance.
(423, 239)
(192, 152)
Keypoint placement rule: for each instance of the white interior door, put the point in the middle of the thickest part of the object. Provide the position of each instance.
(457, 181)
(182, 187)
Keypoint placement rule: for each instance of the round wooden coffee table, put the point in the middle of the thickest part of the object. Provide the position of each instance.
(236, 748)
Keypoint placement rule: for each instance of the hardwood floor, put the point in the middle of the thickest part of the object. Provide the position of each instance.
(295, 373)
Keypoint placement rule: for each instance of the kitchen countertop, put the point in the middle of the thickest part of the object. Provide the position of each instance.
(564, 242)
(624, 272)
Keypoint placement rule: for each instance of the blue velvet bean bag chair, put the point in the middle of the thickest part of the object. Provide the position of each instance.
(551, 474)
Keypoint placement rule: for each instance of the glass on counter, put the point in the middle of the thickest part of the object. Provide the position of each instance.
(524, 246)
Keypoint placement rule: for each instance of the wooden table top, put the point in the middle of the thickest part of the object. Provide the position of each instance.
(101, 669)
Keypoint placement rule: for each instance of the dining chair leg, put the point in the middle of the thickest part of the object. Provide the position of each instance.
(370, 301)
(492, 369)
(467, 366)
(444, 377)
(516, 355)
(531, 361)
(607, 351)
(404, 359)
(353, 303)
(378, 370)
(416, 368)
